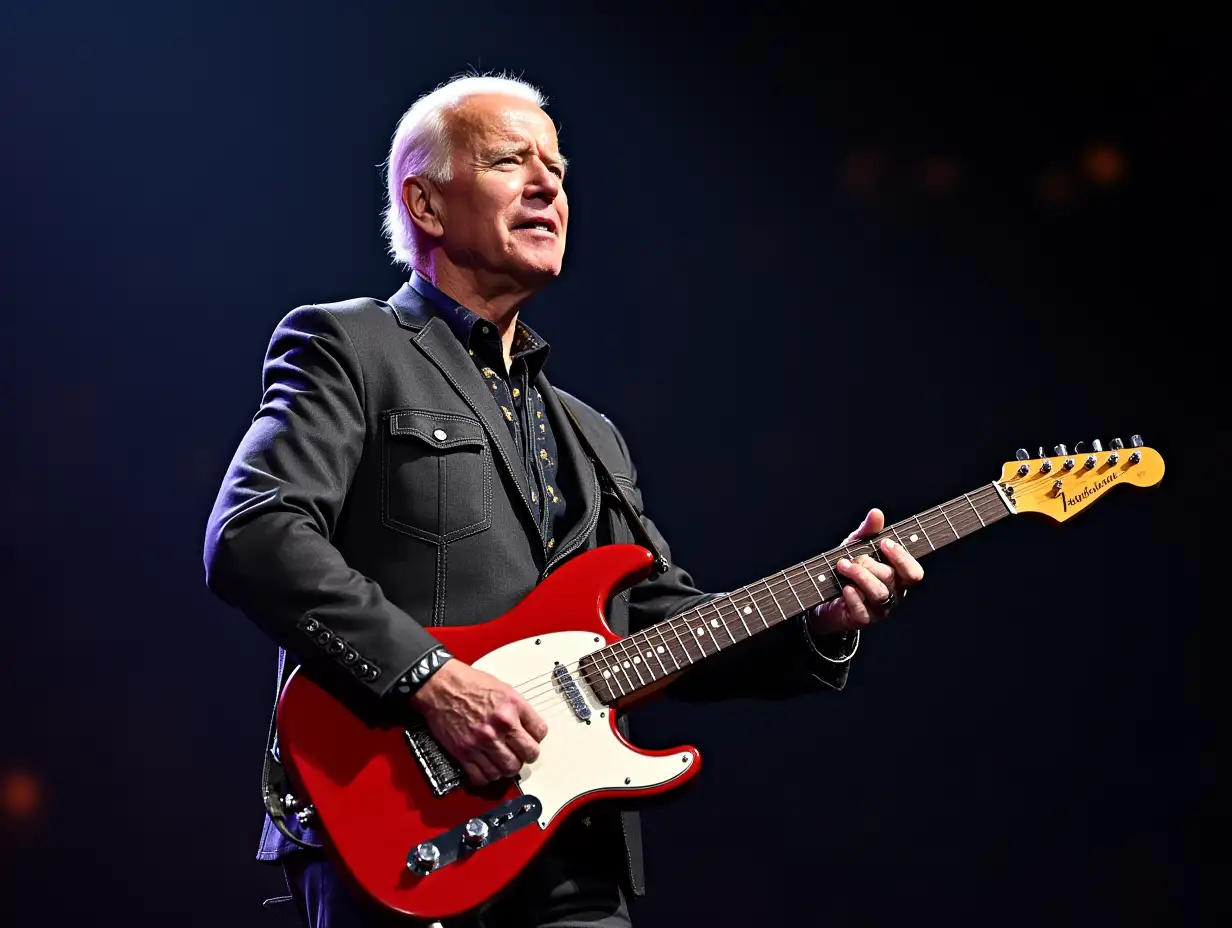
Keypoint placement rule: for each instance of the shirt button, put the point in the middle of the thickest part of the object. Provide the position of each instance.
(485, 330)
(439, 435)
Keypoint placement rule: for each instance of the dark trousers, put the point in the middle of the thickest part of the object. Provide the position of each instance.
(564, 887)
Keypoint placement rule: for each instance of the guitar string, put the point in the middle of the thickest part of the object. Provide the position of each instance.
(621, 649)
(935, 517)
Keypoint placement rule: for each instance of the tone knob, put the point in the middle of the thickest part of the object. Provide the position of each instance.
(425, 858)
(475, 833)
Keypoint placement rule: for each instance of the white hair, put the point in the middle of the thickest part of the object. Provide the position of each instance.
(422, 147)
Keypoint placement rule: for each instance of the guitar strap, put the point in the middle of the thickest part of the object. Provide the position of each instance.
(609, 486)
(274, 783)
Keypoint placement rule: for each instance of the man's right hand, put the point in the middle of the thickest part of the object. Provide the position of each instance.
(483, 723)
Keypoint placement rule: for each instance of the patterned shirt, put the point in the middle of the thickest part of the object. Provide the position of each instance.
(515, 393)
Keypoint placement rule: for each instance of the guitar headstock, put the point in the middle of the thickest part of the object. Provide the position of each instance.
(1063, 485)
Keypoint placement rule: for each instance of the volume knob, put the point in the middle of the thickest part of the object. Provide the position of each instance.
(475, 833)
(425, 858)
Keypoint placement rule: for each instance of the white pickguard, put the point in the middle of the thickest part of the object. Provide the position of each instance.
(574, 758)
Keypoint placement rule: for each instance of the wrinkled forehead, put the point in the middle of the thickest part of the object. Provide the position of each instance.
(485, 121)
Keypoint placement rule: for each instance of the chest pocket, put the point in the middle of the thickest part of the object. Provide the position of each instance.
(436, 475)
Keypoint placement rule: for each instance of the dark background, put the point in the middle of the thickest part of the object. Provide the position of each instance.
(963, 234)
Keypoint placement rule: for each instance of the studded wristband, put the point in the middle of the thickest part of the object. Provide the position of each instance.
(422, 670)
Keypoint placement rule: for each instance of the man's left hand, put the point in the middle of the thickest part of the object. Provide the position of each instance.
(874, 587)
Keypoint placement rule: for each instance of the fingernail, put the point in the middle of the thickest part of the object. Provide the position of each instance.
(888, 544)
(844, 563)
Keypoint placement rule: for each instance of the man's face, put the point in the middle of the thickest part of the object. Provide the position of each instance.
(504, 210)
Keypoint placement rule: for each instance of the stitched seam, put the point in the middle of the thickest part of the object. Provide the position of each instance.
(440, 537)
(418, 340)
(363, 383)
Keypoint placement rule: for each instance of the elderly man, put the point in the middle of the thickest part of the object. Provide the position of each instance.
(340, 512)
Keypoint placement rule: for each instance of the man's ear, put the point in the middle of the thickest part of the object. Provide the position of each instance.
(423, 202)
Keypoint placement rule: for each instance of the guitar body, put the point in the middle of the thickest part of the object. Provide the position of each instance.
(377, 804)
(394, 806)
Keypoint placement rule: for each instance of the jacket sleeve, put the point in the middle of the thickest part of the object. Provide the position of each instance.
(268, 547)
(779, 663)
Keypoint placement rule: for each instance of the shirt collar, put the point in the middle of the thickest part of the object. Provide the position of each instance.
(470, 328)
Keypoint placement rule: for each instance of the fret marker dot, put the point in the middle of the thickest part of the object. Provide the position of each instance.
(714, 623)
(914, 538)
(626, 665)
(615, 667)
(637, 660)
(748, 610)
(659, 649)
(821, 578)
(649, 654)
(607, 674)
(700, 632)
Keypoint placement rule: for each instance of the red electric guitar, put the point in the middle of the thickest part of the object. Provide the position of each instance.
(406, 829)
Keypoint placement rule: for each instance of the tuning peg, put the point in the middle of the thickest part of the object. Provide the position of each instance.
(1041, 451)
(1135, 441)
(1116, 444)
(1021, 454)
(1096, 445)
(1060, 450)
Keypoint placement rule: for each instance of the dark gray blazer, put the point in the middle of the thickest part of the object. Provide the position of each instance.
(341, 506)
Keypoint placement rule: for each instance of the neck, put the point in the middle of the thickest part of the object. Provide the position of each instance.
(642, 660)
(497, 298)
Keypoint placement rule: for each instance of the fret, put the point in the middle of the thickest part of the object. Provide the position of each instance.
(924, 532)
(753, 600)
(667, 646)
(697, 634)
(793, 590)
(713, 604)
(740, 616)
(774, 599)
(658, 652)
(967, 497)
(946, 516)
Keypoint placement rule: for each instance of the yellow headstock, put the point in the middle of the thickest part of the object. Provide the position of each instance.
(1062, 486)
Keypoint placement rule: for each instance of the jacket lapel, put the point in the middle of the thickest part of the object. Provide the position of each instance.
(572, 458)
(436, 341)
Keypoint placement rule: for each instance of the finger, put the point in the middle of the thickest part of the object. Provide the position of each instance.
(479, 771)
(857, 611)
(873, 589)
(502, 758)
(524, 747)
(906, 567)
(532, 723)
(883, 572)
(872, 524)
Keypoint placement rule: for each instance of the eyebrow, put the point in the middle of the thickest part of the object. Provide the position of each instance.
(521, 148)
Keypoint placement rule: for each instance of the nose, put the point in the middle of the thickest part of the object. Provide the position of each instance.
(543, 184)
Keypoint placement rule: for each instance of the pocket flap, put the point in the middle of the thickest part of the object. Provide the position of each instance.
(438, 429)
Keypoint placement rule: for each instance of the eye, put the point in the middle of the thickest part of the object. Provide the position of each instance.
(558, 171)
(506, 159)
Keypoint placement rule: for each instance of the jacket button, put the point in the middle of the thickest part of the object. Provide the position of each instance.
(350, 657)
(335, 647)
(324, 638)
(440, 435)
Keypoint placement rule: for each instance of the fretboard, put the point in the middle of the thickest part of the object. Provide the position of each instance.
(646, 657)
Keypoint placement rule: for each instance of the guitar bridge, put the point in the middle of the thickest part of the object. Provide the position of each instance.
(573, 695)
(441, 771)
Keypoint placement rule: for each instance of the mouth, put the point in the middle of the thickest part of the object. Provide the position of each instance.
(543, 224)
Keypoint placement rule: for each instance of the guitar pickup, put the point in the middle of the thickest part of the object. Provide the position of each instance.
(573, 695)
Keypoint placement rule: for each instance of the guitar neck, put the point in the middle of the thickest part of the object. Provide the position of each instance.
(643, 659)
